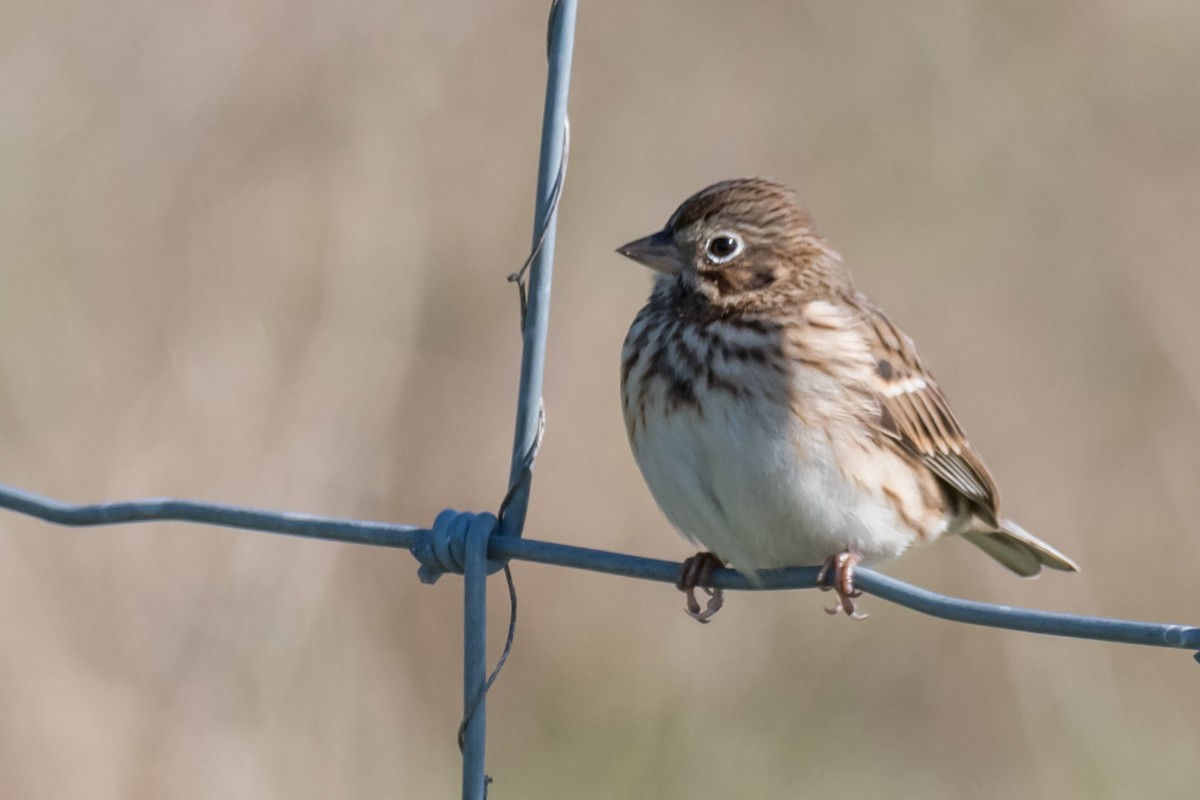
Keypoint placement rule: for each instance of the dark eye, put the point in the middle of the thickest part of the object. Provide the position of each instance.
(723, 247)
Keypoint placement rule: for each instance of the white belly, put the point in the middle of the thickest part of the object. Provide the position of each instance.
(762, 492)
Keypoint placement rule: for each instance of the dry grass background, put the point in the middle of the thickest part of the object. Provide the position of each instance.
(254, 252)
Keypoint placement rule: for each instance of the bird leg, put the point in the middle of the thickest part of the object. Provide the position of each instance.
(838, 574)
(696, 572)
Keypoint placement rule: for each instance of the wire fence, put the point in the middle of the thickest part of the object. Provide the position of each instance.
(477, 545)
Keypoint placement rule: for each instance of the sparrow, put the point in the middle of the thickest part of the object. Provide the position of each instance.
(780, 418)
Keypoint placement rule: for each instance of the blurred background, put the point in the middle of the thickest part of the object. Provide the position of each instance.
(254, 252)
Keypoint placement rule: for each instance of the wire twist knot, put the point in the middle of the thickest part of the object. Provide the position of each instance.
(443, 550)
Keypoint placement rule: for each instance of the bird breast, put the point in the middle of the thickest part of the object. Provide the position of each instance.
(752, 437)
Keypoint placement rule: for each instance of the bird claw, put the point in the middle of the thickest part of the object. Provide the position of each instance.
(837, 575)
(716, 599)
(696, 573)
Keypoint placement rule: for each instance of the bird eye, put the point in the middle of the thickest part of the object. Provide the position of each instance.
(723, 247)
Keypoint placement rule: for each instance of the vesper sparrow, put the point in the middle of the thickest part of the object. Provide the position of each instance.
(779, 418)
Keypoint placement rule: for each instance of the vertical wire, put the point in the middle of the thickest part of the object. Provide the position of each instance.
(473, 735)
(536, 305)
(530, 423)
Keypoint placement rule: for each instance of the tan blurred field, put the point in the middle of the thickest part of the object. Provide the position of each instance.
(254, 252)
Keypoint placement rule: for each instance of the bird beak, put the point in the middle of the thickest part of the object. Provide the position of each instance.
(656, 251)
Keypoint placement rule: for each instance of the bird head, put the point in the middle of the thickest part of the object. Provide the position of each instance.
(736, 242)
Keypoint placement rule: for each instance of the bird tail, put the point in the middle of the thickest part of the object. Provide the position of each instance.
(1019, 550)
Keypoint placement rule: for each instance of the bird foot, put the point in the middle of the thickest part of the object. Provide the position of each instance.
(838, 575)
(696, 573)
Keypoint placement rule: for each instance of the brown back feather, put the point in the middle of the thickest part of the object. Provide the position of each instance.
(916, 416)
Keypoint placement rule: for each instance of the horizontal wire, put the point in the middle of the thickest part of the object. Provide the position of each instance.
(171, 510)
(550, 553)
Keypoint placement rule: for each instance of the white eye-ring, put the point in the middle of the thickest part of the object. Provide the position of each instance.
(723, 247)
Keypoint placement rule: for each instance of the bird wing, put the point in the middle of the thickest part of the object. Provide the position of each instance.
(915, 415)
